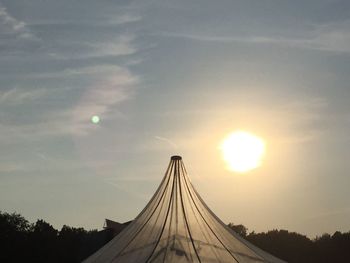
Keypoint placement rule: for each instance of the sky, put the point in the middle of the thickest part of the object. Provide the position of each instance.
(175, 77)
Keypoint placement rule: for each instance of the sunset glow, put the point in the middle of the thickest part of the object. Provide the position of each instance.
(242, 151)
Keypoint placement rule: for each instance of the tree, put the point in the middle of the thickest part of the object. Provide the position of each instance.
(13, 237)
(43, 241)
(21, 241)
(289, 246)
(239, 229)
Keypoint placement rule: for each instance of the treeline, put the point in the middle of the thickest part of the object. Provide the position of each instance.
(294, 247)
(21, 241)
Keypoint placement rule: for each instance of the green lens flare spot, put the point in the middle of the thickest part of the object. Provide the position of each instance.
(95, 119)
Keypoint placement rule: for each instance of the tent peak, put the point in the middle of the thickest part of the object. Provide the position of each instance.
(176, 157)
(176, 226)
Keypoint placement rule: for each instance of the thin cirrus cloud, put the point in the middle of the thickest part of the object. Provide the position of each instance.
(18, 96)
(76, 49)
(110, 85)
(115, 87)
(11, 26)
(106, 22)
(76, 67)
(168, 141)
(15, 34)
(333, 36)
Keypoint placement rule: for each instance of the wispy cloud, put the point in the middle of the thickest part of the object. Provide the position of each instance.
(77, 49)
(107, 20)
(123, 19)
(110, 86)
(125, 187)
(114, 86)
(120, 46)
(14, 33)
(95, 87)
(332, 37)
(299, 121)
(20, 96)
(168, 141)
(327, 37)
(9, 24)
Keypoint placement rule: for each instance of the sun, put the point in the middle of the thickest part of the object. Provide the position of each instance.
(242, 151)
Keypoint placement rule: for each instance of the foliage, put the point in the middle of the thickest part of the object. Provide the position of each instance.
(239, 229)
(294, 247)
(289, 246)
(21, 241)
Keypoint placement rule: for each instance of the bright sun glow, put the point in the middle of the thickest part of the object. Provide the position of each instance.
(242, 151)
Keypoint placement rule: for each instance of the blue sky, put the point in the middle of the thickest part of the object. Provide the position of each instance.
(175, 77)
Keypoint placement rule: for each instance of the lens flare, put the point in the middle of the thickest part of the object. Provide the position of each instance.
(95, 119)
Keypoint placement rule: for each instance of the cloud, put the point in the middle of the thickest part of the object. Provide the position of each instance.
(19, 96)
(326, 37)
(109, 86)
(106, 21)
(113, 87)
(298, 121)
(123, 19)
(168, 141)
(332, 37)
(285, 120)
(14, 33)
(121, 46)
(10, 25)
(124, 186)
(67, 75)
(69, 37)
(94, 48)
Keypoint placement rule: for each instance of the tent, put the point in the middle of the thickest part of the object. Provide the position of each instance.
(177, 226)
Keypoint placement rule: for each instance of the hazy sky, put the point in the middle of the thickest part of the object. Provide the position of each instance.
(175, 77)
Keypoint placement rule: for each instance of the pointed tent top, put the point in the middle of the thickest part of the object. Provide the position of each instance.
(176, 157)
(177, 226)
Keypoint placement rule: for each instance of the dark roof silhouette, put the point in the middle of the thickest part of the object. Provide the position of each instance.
(116, 227)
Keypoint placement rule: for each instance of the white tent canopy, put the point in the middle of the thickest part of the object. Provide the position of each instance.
(177, 226)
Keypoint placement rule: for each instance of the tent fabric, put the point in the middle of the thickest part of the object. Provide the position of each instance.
(177, 226)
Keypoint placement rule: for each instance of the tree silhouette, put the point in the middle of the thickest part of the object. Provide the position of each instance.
(43, 242)
(14, 231)
(290, 246)
(21, 241)
(239, 229)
